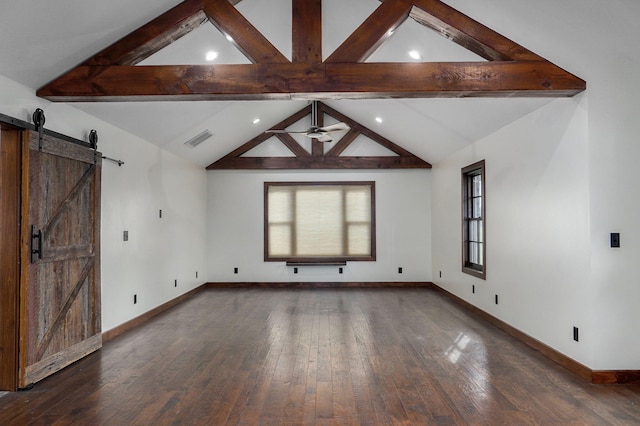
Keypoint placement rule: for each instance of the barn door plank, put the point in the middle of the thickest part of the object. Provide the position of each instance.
(62, 309)
(46, 339)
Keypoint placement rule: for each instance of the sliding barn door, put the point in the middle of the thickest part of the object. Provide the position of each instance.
(61, 293)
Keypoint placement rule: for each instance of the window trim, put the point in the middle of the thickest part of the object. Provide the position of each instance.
(479, 271)
(319, 259)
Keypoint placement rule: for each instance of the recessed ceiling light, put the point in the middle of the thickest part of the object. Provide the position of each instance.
(211, 55)
(379, 119)
(415, 54)
(256, 120)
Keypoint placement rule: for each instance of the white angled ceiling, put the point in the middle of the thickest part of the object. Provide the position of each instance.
(42, 40)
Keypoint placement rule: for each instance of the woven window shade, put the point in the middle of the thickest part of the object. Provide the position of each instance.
(308, 221)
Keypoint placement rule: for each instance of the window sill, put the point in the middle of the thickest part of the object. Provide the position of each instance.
(476, 273)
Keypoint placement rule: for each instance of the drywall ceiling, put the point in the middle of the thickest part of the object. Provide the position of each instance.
(42, 40)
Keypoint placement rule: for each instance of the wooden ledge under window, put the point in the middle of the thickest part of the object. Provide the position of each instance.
(319, 263)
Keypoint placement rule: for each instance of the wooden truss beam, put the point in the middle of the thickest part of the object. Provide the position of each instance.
(314, 81)
(511, 70)
(317, 159)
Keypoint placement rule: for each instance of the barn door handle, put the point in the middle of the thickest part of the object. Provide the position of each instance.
(36, 244)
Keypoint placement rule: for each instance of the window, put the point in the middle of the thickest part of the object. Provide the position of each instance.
(319, 222)
(473, 220)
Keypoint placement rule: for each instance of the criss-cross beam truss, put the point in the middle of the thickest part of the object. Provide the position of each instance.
(509, 69)
(318, 158)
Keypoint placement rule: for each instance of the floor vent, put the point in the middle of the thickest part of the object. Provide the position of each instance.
(199, 138)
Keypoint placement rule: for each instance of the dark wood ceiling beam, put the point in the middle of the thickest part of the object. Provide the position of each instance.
(292, 119)
(374, 31)
(318, 160)
(314, 81)
(312, 162)
(245, 36)
(155, 35)
(248, 146)
(292, 144)
(469, 33)
(307, 31)
(343, 143)
(367, 132)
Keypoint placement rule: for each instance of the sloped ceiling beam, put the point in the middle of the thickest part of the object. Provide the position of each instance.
(511, 69)
(469, 33)
(373, 32)
(302, 159)
(245, 36)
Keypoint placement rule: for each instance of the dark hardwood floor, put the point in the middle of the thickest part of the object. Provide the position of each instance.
(318, 356)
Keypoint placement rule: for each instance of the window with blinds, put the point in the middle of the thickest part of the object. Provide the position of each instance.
(319, 221)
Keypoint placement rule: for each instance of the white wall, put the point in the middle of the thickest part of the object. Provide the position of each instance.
(598, 42)
(614, 128)
(537, 226)
(159, 251)
(235, 215)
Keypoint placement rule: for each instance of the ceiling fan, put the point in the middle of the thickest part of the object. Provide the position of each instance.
(321, 133)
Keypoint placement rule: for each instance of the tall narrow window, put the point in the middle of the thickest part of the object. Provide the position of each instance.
(319, 221)
(473, 220)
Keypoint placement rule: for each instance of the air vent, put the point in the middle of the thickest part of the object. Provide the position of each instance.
(198, 139)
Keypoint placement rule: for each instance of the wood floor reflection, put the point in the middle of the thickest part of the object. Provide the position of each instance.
(318, 357)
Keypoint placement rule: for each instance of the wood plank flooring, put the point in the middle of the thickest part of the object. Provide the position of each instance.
(318, 357)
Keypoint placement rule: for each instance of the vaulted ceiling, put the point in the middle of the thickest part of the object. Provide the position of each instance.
(286, 52)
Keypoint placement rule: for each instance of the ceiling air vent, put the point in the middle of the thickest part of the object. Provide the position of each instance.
(199, 138)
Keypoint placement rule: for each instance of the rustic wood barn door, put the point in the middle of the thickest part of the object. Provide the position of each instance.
(61, 295)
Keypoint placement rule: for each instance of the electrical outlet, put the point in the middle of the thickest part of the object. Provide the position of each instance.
(135, 299)
(575, 334)
(175, 283)
(473, 288)
(196, 274)
(399, 270)
(125, 235)
(496, 299)
(235, 270)
(295, 270)
(339, 270)
(615, 239)
(440, 274)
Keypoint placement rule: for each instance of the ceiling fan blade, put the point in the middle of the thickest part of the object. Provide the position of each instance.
(325, 138)
(335, 127)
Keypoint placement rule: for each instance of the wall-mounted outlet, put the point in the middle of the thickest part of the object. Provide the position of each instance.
(196, 274)
(295, 270)
(175, 283)
(496, 299)
(440, 274)
(125, 235)
(473, 288)
(399, 270)
(235, 270)
(339, 270)
(575, 334)
(615, 239)
(160, 213)
(135, 299)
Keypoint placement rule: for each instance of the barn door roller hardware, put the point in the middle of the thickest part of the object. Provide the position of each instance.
(93, 142)
(38, 120)
(37, 250)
